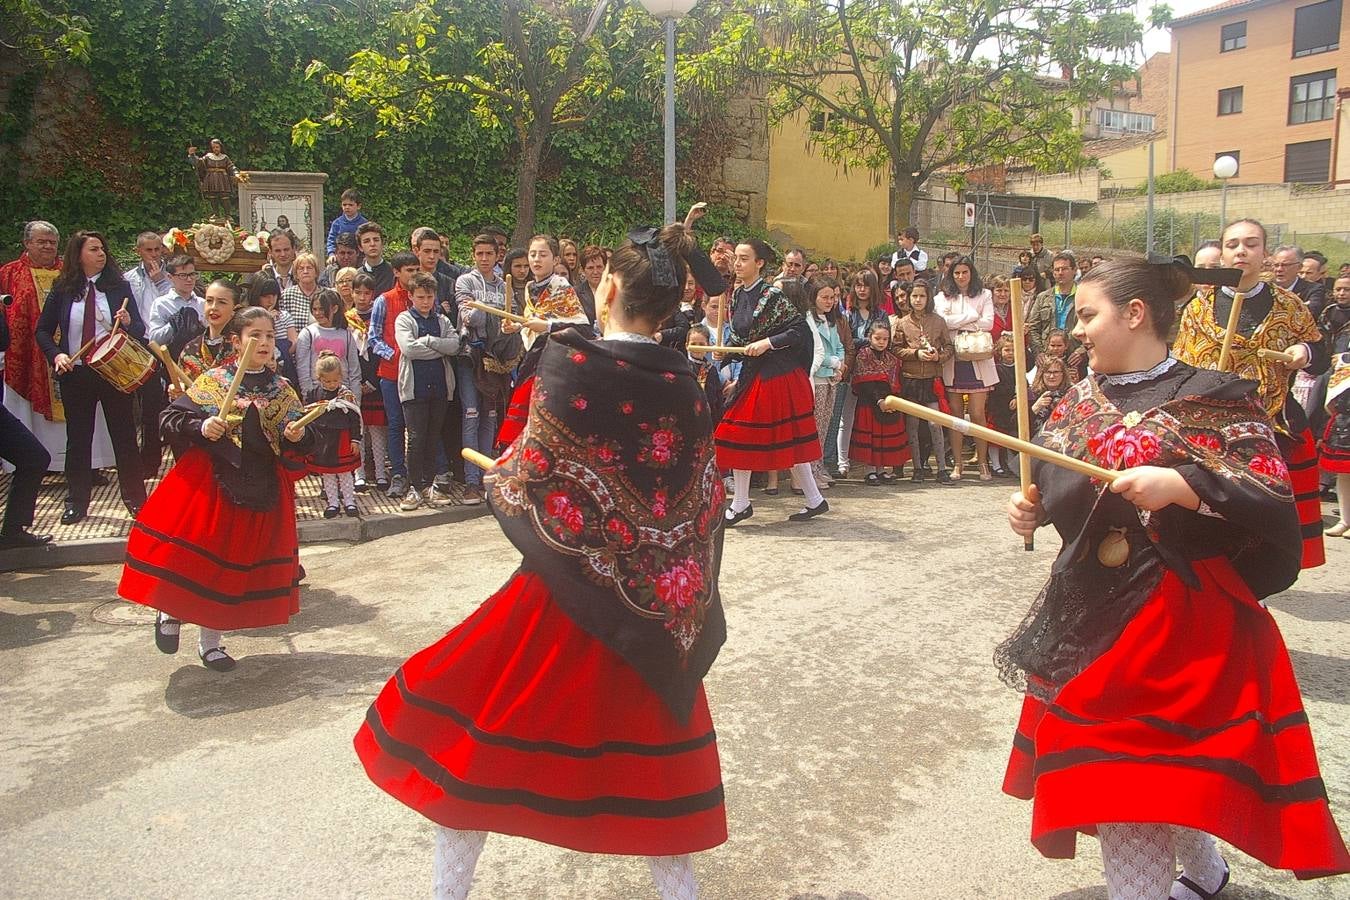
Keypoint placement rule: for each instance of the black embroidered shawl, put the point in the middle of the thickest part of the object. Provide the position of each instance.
(613, 496)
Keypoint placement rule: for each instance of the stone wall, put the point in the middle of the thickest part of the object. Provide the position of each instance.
(733, 167)
(1300, 212)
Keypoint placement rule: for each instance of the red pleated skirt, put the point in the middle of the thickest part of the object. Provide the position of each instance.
(1301, 458)
(770, 426)
(1193, 718)
(518, 722)
(1334, 459)
(517, 412)
(372, 409)
(877, 442)
(198, 557)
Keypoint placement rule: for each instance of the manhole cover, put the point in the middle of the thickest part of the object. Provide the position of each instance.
(120, 612)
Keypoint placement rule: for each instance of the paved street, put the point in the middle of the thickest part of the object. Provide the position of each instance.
(862, 728)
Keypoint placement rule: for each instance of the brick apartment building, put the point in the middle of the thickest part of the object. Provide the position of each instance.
(1257, 79)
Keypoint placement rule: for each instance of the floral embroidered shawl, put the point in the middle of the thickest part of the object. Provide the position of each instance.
(278, 405)
(612, 494)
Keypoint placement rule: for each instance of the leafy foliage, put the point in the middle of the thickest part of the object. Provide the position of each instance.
(1179, 182)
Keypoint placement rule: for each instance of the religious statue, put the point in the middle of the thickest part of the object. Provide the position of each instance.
(217, 175)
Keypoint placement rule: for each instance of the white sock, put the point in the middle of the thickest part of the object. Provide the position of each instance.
(811, 490)
(1138, 861)
(740, 497)
(209, 640)
(455, 858)
(1200, 862)
(674, 877)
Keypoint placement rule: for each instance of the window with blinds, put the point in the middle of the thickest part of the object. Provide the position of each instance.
(1233, 36)
(1308, 162)
(1317, 28)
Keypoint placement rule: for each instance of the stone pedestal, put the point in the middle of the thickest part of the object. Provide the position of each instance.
(267, 197)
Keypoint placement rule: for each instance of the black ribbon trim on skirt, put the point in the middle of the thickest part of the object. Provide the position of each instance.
(554, 747)
(778, 423)
(1309, 789)
(201, 590)
(1189, 731)
(630, 807)
(207, 554)
(1312, 531)
(1023, 743)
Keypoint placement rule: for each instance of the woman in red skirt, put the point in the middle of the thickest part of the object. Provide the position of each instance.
(1161, 707)
(215, 544)
(569, 708)
(878, 441)
(770, 422)
(1336, 440)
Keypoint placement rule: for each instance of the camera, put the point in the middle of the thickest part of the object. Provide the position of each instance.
(6, 299)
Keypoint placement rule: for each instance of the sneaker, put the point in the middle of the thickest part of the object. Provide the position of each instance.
(411, 499)
(398, 487)
(439, 496)
(473, 495)
(442, 482)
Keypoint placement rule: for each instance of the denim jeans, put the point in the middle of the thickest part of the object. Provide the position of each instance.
(480, 431)
(397, 434)
(426, 456)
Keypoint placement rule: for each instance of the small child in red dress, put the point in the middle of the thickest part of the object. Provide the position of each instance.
(878, 440)
(337, 436)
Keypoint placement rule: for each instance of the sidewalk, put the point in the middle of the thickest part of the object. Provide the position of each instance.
(101, 537)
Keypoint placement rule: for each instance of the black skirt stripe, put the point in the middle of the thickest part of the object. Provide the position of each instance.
(632, 807)
(1312, 530)
(1307, 496)
(207, 554)
(747, 423)
(1310, 463)
(765, 448)
(1023, 743)
(556, 748)
(202, 590)
(1296, 792)
(1190, 732)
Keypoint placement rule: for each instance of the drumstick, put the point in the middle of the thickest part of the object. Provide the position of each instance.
(1023, 402)
(116, 325)
(481, 460)
(310, 416)
(1279, 356)
(706, 348)
(499, 313)
(1227, 349)
(227, 405)
(979, 432)
(175, 373)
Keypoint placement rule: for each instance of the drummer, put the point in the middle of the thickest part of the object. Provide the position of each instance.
(88, 297)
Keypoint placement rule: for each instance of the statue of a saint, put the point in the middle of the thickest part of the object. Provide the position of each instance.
(217, 175)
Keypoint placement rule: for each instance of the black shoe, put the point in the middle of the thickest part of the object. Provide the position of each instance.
(872, 479)
(731, 518)
(917, 477)
(72, 515)
(1328, 494)
(331, 512)
(217, 660)
(362, 488)
(945, 477)
(98, 479)
(166, 642)
(772, 492)
(888, 478)
(1200, 892)
(810, 512)
(798, 491)
(21, 538)
(352, 511)
(134, 511)
(382, 487)
(1000, 472)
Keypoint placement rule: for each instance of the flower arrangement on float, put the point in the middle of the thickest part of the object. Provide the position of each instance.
(217, 242)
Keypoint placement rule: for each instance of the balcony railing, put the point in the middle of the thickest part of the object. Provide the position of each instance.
(1116, 121)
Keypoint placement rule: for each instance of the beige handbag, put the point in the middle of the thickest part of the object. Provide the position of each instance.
(974, 346)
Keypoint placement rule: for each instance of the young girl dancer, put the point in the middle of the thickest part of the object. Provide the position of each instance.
(211, 348)
(1160, 704)
(878, 440)
(769, 423)
(569, 708)
(1336, 440)
(215, 544)
(337, 433)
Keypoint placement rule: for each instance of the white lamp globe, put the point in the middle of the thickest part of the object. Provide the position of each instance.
(669, 9)
(1225, 167)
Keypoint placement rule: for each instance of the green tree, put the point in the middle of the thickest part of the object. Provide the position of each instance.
(913, 87)
(535, 70)
(43, 30)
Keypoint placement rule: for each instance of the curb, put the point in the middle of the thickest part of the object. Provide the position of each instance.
(103, 551)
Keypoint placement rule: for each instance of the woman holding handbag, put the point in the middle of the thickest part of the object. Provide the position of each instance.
(968, 309)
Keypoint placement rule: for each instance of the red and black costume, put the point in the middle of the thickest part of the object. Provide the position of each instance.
(1160, 691)
(203, 354)
(879, 437)
(556, 301)
(569, 708)
(337, 435)
(1336, 438)
(216, 544)
(770, 420)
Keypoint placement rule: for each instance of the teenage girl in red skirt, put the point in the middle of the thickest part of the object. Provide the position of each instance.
(1336, 439)
(1161, 707)
(878, 441)
(569, 708)
(770, 421)
(215, 544)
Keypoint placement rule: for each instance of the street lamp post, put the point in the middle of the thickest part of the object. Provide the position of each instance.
(1225, 167)
(669, 11)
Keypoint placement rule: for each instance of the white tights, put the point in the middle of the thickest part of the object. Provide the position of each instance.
(801, 477)
(1140, 861)
(457, 855)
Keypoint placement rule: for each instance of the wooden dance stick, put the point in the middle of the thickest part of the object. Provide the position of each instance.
(319, 409)
(1226, 350)
(510, 293)
(246, 354)
(175, 374)
(481, 460)
(979, 432)
(1023, 402)
(499, 313)
(89, 343)
(706, 348)
(1278, 356)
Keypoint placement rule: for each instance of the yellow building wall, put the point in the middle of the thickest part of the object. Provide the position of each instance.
(1263, 69)
(1129, 167)
(815, 204)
